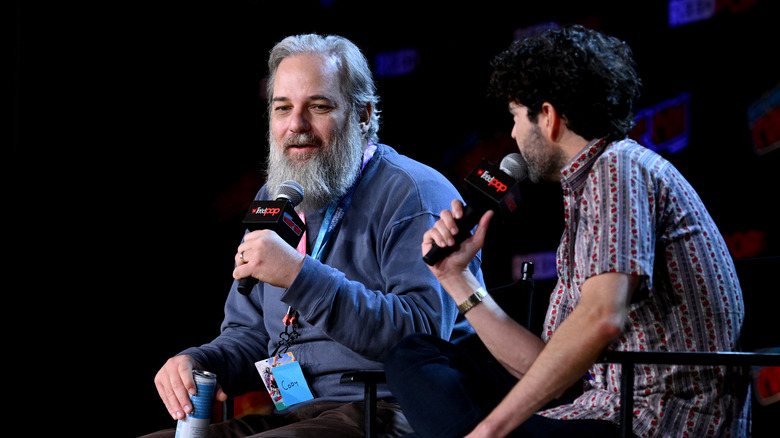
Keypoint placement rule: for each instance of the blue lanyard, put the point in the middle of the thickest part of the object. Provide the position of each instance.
(336, 210)
(331, 221)
(329, 224)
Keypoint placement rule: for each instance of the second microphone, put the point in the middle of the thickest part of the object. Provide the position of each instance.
(488, 188)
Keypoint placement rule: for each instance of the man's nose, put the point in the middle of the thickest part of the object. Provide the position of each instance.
(299, 122)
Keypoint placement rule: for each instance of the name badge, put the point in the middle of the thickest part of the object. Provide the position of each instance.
(284, 380)
(292, 384)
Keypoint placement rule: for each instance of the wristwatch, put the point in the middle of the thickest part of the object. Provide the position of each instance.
(473, 300)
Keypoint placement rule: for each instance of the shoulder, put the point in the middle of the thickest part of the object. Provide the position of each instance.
(394, 162)
(263, 193)
(396, 169)
(396, 176)
(629, 159)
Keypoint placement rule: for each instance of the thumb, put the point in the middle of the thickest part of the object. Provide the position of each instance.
(221, 395)
(482, 227)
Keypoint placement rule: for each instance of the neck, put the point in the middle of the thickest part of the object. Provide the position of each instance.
(572, 144)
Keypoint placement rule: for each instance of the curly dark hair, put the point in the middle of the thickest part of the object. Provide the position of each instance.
(587, 76)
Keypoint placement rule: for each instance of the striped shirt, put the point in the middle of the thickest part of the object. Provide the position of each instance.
(629, 210)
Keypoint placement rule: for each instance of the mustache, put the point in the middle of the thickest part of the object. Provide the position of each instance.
(302, 138)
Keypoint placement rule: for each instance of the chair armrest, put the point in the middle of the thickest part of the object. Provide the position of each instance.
(691, 358)
(369, 379)
(364, 376)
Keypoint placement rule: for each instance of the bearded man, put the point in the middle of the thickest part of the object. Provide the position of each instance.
(361, 285)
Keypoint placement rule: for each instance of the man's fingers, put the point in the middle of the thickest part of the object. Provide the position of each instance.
(174, 384)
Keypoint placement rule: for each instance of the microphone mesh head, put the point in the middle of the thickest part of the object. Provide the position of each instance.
(291, 191)
(514, 165)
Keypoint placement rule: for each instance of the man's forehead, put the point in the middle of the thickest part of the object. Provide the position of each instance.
(515, 106)
(315, 77)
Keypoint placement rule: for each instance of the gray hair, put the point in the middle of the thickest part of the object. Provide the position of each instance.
(357, 83)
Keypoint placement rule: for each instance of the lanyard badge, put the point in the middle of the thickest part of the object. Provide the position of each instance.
(281, 373)
(287, 338)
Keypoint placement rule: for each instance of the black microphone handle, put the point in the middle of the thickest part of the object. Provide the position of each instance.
(469, 219)
(292, 192)
(246, 284)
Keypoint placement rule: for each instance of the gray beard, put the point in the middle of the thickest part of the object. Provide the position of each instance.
(326, 175)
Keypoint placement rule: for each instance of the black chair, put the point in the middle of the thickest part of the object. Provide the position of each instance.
(516, 299)
(628, 359)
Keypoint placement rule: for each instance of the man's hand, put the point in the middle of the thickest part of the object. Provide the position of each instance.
(443, 233)
(267, 257)
(175, 383)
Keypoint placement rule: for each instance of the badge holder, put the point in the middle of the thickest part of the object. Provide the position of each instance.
(281, 373)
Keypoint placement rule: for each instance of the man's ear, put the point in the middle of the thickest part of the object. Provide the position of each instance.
(550, 122)
(365, 117)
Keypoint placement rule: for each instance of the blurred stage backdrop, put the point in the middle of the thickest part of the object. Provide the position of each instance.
(167, 103)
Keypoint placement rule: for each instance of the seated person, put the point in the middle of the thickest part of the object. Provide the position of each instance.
(641, 266)
(361, 286)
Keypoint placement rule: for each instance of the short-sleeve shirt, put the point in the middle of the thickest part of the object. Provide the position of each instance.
(628, 210)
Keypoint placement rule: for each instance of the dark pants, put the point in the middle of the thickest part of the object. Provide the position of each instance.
(313, 420)
(445, 390)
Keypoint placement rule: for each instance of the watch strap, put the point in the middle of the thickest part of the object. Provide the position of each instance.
(472, 300)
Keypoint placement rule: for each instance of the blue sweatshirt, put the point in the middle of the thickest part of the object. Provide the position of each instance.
(371, 289)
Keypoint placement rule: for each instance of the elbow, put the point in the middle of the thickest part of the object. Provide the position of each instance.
(609, 330)
(609, 327)
(605, 323)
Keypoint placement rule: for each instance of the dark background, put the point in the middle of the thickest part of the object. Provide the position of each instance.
(139, 135)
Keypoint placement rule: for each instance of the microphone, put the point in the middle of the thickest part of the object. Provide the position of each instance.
(278, 216)
(488, 188)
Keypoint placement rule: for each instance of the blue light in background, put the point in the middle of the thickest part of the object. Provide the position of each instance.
(396, 63)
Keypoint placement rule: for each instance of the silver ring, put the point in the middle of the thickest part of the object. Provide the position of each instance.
(241, 256)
